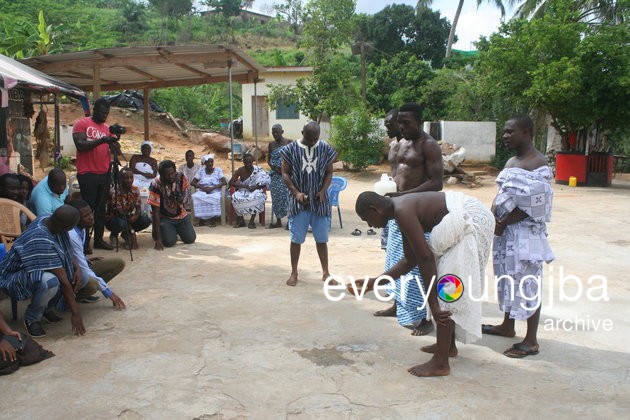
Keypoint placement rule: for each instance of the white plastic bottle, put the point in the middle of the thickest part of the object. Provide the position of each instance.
(385, 185)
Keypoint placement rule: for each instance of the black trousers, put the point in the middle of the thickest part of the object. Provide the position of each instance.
(94, 190)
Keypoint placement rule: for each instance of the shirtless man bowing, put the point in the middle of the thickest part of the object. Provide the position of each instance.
(417, 167)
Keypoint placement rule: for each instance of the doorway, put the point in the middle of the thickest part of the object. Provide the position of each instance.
(260, 124)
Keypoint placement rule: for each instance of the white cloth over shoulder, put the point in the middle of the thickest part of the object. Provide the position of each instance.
(251, 202)
(142, 181)
(208, 205)
(461, 244)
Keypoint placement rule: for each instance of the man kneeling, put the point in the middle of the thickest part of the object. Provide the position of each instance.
(166, 197)
(457, 251)
(96, 273)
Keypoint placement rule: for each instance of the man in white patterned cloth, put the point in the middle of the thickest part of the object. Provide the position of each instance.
(522, 209)
(249, 198)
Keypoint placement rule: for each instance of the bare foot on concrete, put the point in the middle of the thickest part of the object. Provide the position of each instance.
(391, 311)
(430, 368)
(424, 328)
(293, 278)
(497, 330)
(332, 282)
(452, 352)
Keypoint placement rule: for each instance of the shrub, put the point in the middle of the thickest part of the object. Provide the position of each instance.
(357, 138)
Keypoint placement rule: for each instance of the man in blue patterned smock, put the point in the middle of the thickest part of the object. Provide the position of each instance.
(279, 191)
(522, 209)
(39, 264)
(307, 169)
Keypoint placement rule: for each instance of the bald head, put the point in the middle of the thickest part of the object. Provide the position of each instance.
(310, 133)
(276, 132)
(63, 219)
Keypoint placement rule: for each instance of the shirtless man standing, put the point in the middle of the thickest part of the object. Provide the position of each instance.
(417, 167)
(393, 133)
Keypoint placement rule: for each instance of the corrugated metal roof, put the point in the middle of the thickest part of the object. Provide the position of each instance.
(150, 67)
(32, 79)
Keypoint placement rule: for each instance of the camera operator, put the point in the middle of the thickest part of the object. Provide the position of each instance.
(93, 140)
(123, 214)
(166, 197)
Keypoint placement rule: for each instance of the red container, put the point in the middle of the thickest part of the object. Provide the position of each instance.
(570, 164)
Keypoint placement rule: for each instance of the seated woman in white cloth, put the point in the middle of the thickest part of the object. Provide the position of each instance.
(207, 199)
(249, 197)
(452, 263)
(143, 166)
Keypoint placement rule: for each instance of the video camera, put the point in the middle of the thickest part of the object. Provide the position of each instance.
(117, 130)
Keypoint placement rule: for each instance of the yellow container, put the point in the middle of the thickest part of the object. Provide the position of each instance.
(572, 181)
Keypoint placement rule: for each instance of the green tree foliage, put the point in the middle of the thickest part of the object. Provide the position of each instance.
(133, 19)
(400, 28)
(589, 11)
(332, 90)
(329, 26)
(559, 66)
(293, 12)
(202, 105)
(172, 8)
(23, 39)
(357, 138)
(396, 81)
(451, 95)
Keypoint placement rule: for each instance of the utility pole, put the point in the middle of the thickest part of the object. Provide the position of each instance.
(363, 72)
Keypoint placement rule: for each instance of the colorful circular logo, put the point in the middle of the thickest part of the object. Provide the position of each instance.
(450, 288)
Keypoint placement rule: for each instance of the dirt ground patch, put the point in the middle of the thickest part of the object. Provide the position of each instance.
(169, 142)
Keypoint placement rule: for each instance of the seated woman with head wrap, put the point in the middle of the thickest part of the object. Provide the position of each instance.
(143, 166)
(207, 199)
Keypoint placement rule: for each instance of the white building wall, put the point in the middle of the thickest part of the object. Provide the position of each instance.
(477, 137)
(292, 127)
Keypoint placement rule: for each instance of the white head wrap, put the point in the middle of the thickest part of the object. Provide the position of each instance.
(205, 158)
(146, 142)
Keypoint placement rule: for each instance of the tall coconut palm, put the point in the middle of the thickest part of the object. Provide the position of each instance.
(451, 36)
(423, 4)
(591, 11)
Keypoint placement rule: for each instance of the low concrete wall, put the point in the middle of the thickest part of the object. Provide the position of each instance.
(477, 137)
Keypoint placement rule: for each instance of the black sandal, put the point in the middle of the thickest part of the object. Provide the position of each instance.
(371, 232)
(356, 232)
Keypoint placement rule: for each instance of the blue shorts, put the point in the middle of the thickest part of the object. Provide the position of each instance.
(299, 223)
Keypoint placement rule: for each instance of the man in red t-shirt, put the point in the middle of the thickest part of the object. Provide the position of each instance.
(92, 139)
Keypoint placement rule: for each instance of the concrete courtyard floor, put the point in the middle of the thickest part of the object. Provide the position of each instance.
(211, 331)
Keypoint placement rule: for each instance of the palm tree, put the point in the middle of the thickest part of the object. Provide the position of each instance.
(591, 11)
(451, 35)
(423, 4)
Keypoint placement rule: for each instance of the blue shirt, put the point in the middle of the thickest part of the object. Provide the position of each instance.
(77, 238)
(44, 201)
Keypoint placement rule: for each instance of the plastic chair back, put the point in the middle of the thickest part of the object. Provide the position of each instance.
(337, 184)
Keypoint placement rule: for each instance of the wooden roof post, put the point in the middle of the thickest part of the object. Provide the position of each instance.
(229, 63)
(97, 82)
(256, 118)
(145, 95)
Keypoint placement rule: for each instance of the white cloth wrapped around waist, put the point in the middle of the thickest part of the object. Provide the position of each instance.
(461, 243)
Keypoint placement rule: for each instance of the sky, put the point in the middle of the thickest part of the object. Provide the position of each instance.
(472, 23)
